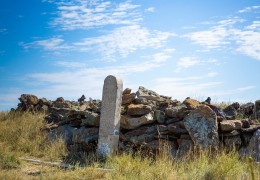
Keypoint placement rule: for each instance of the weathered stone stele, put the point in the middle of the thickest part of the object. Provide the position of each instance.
(202, 126)
(110, 116)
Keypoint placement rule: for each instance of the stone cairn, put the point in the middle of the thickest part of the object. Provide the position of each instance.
(149, 120)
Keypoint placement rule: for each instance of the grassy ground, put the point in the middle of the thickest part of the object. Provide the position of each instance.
(20, 136)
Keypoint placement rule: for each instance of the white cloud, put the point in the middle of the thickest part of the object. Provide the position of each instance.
(244, 39)
(186, 62)
(124, 40)
(212, 38)
(249, 42)
(248, 9)
(70, 64)
(246, 88)
(86, 14)
(150, 9)
(52, 44)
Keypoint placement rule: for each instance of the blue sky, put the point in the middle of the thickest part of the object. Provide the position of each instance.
(54, 48)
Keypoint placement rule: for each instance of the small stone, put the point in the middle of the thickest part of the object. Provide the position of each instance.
(128, 98)
(159, 116)
(127, 91)
(230, 125)
(231, 110)
(191, 103)
(138, 109)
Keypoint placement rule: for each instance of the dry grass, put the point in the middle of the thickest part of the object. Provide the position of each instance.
(20, 136)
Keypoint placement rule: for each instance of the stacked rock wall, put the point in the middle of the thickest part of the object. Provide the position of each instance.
(149, 120)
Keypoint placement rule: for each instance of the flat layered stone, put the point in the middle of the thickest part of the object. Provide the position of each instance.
(128, 122)
(230, 125)
(138, 109)
(177, 128)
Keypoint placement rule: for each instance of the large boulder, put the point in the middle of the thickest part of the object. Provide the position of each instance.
(230, 125)
(63, 132)
(85, 135)
(138, 109)
(254, 146)
(128, 122)
(202, 126)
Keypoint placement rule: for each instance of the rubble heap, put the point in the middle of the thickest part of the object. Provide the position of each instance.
(149, 120)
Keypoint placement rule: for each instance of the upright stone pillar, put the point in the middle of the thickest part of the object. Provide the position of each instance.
(110, 116)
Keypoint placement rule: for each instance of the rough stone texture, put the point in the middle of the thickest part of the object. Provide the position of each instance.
(141, 135)
(247, 109)
(138, 109)
(231, 110)
(90, 119)
(257, 109)
(177, 128)
(127, 91)
(191, 103)
(185, 145)
(176, 112)
(230, 125)
(110, 116)
(128, 122)
(232, 142)
(219, 112)
(65, 132)
(128, 98)
(254, 146)
(159, 116)
(202, 127)
(148, 94)
(85, 135)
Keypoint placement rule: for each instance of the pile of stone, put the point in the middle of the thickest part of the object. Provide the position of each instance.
(150, 121)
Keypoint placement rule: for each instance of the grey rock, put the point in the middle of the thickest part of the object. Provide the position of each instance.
(230, 125)
(159, 116)
(254, 146)
(176, 112)
(138, 109)
(64, 132)
(85, 135)
(202, 126)
(90, 119)
(128, 122)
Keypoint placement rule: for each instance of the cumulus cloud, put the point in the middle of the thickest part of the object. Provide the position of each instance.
(124, 40)
(245, 40)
